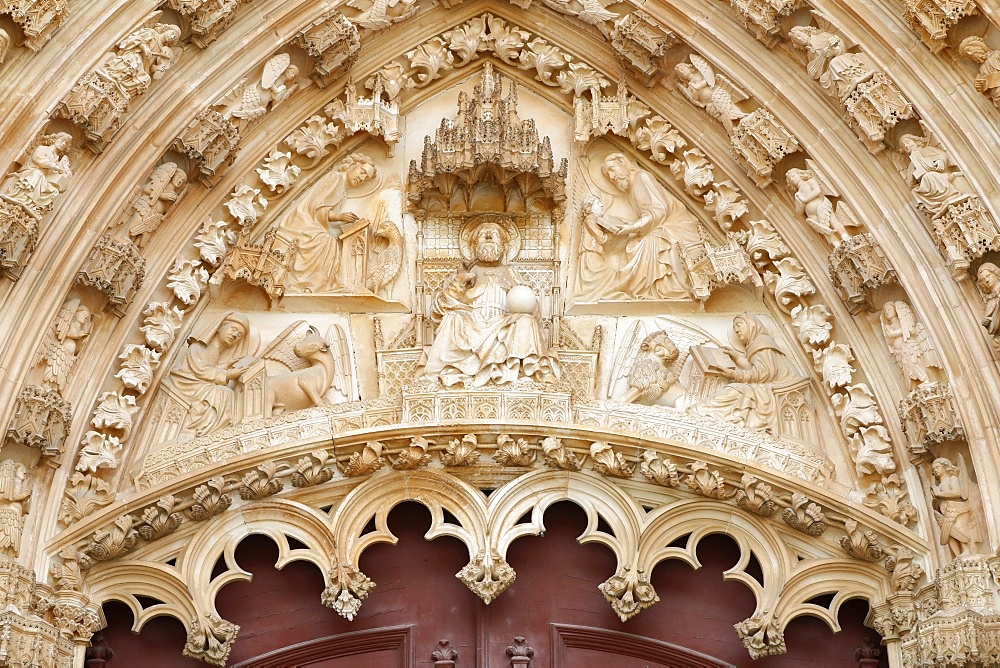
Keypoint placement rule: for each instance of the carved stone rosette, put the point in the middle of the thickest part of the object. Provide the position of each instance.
(858, 267)
(640, 42)
(115, 268)
(929, 416)
(18, 236)
(41, 420)
(964, 232)
(759, 143)
(931, 19)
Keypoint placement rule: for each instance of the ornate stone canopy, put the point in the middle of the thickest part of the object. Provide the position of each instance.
(276, 267)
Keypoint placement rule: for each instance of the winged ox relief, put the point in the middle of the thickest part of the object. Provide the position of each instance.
(223, 376)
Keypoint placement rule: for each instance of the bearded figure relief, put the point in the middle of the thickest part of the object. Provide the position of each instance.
(489, 329)
(640, 255)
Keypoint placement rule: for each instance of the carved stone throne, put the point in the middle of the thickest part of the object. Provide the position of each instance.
(486, 165)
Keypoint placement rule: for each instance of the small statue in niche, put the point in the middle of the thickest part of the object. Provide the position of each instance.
(642, 258)
(821, 47)
(15, 489)
(489, 330)
(935, 183)
(653, 375)
(953, 508)
(755, 365)
(150, 207)
(316, 226)
(812, 202)
(988, 279)
(987, 81)
(203, 374)
(248, 102)
(72, 326)
(908, 343)
(44, 175)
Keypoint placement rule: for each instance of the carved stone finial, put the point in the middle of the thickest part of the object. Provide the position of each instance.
(658, 470)
(762, 635)
(804, 515)
(608, 462)
(860, 543)
(444, 655)
(520, 652)
(755, 495)
(488, 574)
(414, 456)
(209, 500)
(629, 592)
(260, 482)
(313, 469)
(365, 462)
(558, 456)
(461, 452)
(347, 587)
(210, 639)
(513, 452)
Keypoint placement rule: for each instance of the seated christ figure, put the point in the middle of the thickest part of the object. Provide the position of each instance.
(489, 330)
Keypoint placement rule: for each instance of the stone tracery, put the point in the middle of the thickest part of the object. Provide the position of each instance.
(789, 281)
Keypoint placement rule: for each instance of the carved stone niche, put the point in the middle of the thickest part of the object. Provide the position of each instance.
(931, 19)
(333, 41)
(964, 232)
(858, 267)
(759, 143)
(761, 17)
(41, 420)
(211, 141)
(115, 268)
(18, 236)
(929, 417)
(38, 18)
(640, 42)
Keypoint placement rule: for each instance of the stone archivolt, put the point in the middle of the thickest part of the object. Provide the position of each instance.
(226, 249)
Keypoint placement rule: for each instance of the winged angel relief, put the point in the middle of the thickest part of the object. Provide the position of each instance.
(334, 249)
(222, 379)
